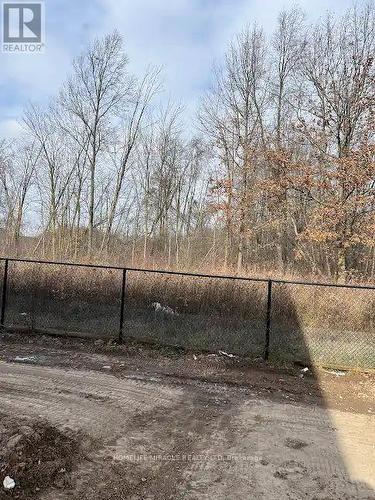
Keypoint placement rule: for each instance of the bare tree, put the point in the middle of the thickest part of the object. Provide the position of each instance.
(95, 92)
(280, 176)
(141, 97)
(233, 114)
(288, 48)
(17, 171)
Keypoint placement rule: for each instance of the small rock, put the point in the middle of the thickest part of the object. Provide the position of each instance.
(295, 444)
(9, 483)
(281, 474)
(13, 441)
(290, 469)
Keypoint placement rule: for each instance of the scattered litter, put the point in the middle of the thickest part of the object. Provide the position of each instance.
(211, 355)
(195, 357)
(305, 370)
(24, 314)
(26, 358)
(163, 309)
(338, 373)
(9, 483)
(223, 353)
(107, 367)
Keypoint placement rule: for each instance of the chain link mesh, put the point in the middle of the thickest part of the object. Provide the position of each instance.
(193, 312)
(311, 324)
(323, 325)
(54, 298)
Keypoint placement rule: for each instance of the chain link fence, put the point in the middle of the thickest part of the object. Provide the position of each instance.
(325, 325)
(196, 312)
(311, 323)
(55, 298)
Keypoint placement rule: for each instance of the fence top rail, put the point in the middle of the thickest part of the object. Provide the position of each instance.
(197, 275)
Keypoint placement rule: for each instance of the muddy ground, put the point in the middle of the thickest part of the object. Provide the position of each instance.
(117, 422)
(38, 454)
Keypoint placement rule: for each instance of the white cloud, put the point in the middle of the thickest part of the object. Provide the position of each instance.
(35, 75)
(10, 129)
(185, 36)
(182, 36)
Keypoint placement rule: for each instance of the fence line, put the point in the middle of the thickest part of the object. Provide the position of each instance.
(198, 275)
(124, 270)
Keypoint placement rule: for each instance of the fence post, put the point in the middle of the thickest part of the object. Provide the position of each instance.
(4, 293)
(123, 286)
(268, 320)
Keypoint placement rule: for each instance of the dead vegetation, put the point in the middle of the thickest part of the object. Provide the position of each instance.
(328, 325)
(276, 178)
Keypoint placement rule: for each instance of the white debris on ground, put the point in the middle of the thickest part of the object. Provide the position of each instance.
(228, 355)
(338, 373)
(26, 358)
(9, 483)
(163, 309)
(304, 371)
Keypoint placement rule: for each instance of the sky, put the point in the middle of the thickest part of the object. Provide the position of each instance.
(183, 37)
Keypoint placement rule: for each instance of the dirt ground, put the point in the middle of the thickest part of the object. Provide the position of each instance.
(118, 422)
(37, 454)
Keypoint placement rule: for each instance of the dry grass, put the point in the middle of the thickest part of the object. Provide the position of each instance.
(205, 313)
